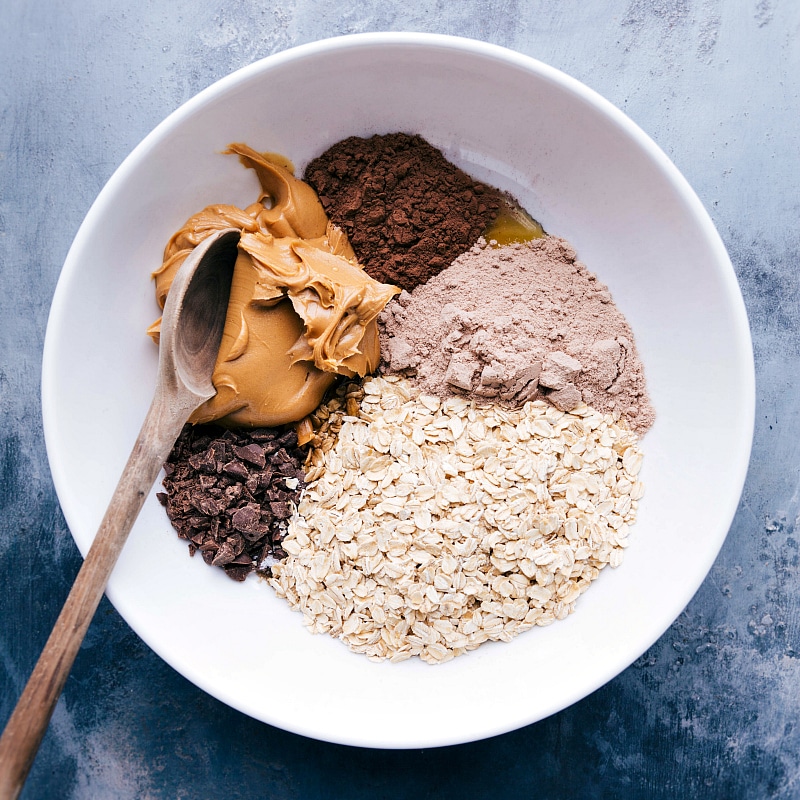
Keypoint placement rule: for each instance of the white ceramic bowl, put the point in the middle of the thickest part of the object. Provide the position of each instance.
(588, 174)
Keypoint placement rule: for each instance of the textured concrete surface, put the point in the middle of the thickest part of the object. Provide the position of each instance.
(712, 709)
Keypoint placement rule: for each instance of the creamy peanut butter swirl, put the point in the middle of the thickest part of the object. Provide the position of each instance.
(301, 309)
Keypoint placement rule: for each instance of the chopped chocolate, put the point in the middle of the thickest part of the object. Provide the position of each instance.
(236, 469)
(227, 496)
(247, 519)
(280, 510)
(253, 454)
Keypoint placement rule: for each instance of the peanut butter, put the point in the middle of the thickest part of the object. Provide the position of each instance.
(301, 309)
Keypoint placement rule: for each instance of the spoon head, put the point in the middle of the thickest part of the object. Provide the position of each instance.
(194, 314)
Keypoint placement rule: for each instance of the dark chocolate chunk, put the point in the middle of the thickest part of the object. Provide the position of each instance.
(247, 519)
(236, 469)
(226, 494)
(253, 454)
(280, 510)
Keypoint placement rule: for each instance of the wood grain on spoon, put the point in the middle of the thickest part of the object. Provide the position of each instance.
(191, 330)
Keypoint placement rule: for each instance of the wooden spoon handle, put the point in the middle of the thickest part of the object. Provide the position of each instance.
(29, 721)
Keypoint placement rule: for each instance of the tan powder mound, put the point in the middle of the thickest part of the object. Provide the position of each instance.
(517, 323)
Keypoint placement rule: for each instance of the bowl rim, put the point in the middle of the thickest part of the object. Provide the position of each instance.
(472, 47)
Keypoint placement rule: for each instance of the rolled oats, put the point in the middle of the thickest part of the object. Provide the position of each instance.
(431, 526)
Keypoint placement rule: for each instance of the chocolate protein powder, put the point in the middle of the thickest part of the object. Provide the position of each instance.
(517, 323)
(407, 211)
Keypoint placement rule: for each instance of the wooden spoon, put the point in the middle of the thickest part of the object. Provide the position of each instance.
(191, 330)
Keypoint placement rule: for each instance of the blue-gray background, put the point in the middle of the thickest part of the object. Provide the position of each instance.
(711, 710)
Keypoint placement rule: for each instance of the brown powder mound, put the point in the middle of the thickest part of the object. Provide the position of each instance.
(229, 493)
(518, 323)
(407, 211)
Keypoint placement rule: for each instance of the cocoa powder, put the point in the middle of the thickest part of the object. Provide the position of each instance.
(407, 211)
(517, 323)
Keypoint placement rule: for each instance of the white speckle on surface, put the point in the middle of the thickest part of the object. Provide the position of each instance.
(108, 763)
(765, 9)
